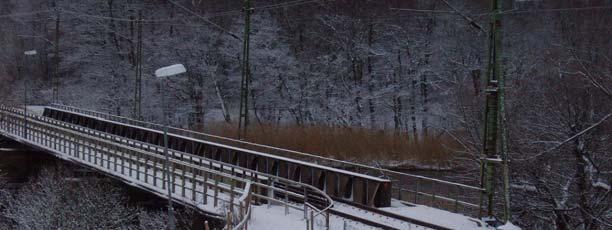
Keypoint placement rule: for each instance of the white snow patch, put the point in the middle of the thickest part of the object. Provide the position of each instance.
(602, 185)
(524, 187)
(435, 216)
(509, 226)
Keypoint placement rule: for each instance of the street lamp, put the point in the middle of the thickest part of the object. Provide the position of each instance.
(164, 73)
(25, 97)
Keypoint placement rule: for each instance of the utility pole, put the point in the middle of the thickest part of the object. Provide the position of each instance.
(55, 80)
(244, 84)
(138, 61)
(492, 110)
(502, 120)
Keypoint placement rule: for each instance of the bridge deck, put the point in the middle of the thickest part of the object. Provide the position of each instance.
(198, 180)
(417, 189)
(203, 188)
(338, 183)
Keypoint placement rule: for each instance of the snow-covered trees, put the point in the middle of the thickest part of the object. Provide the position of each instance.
(361, 64)
(57, 200)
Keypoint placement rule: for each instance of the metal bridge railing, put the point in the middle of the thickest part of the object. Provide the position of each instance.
(134, 162)
(450, 196)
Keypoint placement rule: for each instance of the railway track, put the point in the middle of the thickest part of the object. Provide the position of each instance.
(374, 214)
(370, 216)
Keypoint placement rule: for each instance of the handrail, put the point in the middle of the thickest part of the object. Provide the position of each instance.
(144, 123)
(141, 144)
(477, 191)
(39, 121)
(245, 201)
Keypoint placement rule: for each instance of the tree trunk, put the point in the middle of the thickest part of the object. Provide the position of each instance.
(424, 94)
(226, 114)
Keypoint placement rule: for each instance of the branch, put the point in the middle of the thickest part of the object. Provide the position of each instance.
(589, 76)
(571, 138)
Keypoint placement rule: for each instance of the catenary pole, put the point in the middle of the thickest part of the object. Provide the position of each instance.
(138, 71)
(492, 107)
(55, 80)
(244, 84)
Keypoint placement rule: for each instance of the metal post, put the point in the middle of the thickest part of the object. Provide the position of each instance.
(270, 191)
(243, 119)
(433, 194)
(171, 225)
(25, 107)
(232, 188)
(194, 174)
(305, 201)
(416, 194)
(490, 139)
(205, 185)
(55, 81)
(286, 199)
(312, 220)
(327, 220)
(504, 148)
(137, 113)
(229, 220)
(216, 194)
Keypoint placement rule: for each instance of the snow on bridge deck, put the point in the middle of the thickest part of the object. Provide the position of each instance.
(267, 217)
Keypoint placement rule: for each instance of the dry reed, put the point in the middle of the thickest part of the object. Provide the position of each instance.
(355, 144)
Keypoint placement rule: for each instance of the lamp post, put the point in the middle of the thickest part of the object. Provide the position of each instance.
(25, 97)
(164, 73)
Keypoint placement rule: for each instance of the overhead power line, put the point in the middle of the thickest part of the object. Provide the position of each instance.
(285, 4)
(24, 14)
(556, 10)
(467, 18)
(425, 11)
(204, 19)
(454, 10)
(514, 11)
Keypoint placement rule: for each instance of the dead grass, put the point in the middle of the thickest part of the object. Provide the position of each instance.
(356, 144)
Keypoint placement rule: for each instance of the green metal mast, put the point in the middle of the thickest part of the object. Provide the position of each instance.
(137, 113)
(56, 58)
(244, 84)
(492, 109)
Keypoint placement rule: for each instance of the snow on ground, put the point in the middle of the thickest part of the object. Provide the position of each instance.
(391, 222)
(509, 226)
(274, 218)
(435, 216)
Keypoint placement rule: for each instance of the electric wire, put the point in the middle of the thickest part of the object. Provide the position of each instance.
(22, 14)
(555, 10)
(205, 19)
(286, 4)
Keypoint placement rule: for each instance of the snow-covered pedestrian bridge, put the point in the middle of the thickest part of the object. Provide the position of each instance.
(247, 187)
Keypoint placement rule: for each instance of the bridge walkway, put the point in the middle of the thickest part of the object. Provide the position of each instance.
(212, 186)
(205, 188)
